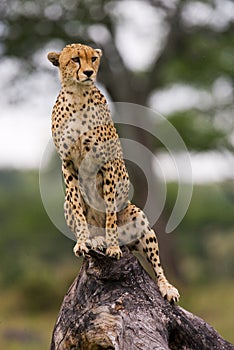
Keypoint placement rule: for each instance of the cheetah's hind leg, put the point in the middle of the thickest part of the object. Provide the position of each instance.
(135, 231)
(148, 244)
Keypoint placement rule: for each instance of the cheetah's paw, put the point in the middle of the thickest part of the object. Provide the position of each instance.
(80, 249)
(169, 292)
(97, 243)
(114, 251)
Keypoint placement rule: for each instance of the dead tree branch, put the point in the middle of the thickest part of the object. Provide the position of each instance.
(116, 305)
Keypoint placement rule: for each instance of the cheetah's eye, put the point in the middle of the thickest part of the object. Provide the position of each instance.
(76, 59)
(94, 59)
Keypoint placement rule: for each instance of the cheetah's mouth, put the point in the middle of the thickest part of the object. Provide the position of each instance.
(87, 81)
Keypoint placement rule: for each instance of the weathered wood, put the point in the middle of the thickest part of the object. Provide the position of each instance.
(116, 305)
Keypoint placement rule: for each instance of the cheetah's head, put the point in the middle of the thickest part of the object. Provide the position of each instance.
(77, 63)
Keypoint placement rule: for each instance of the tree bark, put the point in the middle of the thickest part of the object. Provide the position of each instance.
(116, 305)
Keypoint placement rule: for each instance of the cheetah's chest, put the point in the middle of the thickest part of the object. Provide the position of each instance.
(71, 121)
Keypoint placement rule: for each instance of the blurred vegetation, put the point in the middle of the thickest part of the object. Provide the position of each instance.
(205, 236)
(29, 243)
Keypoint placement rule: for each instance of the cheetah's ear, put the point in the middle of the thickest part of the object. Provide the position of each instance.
(53, 57)
(99, 52)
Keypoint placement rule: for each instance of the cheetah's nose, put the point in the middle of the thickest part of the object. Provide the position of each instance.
(88, 73)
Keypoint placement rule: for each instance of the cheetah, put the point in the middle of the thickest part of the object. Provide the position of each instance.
(97, 209)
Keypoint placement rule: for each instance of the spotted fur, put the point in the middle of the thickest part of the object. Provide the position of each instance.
(96, 205)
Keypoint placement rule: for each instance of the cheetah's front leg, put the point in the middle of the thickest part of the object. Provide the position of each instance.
(73, 209)
(109, 194)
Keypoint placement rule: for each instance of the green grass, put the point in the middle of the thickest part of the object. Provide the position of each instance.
(214, 303)
(20, 330)
(29, 311)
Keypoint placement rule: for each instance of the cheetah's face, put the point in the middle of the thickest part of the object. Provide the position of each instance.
(78, 64)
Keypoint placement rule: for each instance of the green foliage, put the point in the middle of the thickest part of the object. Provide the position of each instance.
(39, 292)
(200, 56)
(198, 131)
(205, 236)
(27, 233)
(45, 20)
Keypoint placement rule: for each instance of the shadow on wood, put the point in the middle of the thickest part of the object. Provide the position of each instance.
(116, 305)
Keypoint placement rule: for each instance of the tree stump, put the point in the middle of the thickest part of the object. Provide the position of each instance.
(116, 305)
